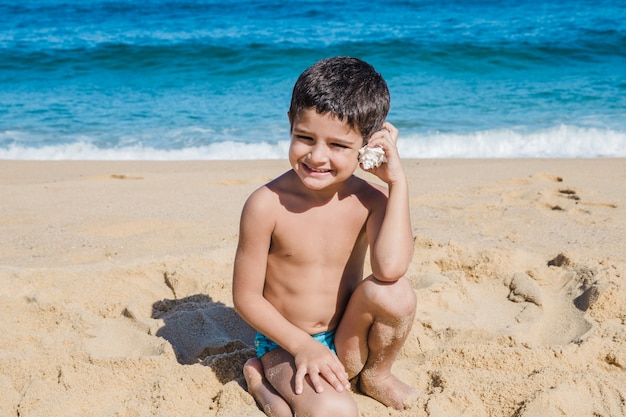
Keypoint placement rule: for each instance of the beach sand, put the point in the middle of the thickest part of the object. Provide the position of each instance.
(116, 300)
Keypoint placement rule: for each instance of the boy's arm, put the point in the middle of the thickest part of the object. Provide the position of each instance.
(389, 226)
(250, 267)
(248, 282)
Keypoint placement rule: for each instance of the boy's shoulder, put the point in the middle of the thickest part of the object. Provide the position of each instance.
(272, 190)
(367, 191)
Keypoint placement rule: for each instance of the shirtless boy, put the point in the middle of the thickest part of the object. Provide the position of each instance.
(298, 273)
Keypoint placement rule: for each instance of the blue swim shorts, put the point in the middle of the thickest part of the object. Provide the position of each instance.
(264, 344)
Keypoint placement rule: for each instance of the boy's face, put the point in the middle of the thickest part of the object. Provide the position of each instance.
(324, 149)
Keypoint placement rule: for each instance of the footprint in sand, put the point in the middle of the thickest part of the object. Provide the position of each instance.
(114, 177)
(538, 177)
(563, 198)
(559, 316)
(567, 199)
(124, 177)
(523, 288)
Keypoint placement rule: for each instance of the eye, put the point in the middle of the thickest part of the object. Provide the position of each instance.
(340, 145)
(304, 138)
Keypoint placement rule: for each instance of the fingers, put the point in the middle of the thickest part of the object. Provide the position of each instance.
(314, 377)
(338, 381)
(386, 138)
(338, 378)
(333, 374)
(316, 381)
(387, 132)
(393, 132)
(299, 379)
(342, 376)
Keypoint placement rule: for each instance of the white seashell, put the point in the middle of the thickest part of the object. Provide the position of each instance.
(371, 157)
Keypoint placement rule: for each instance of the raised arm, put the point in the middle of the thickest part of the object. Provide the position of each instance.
(389, 226)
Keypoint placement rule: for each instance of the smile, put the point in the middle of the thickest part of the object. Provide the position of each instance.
(316, 170)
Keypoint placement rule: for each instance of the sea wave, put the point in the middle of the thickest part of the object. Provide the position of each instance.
(557, 142)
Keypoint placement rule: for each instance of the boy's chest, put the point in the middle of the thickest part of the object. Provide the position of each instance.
(319, 233)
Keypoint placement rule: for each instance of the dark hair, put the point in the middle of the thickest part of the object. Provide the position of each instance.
(347, 88)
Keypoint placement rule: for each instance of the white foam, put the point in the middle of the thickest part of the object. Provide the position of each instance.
(558, 142)
(86, 151)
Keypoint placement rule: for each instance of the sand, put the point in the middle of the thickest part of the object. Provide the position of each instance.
(115, 296)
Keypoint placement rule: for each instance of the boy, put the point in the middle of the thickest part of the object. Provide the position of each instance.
(298, 272)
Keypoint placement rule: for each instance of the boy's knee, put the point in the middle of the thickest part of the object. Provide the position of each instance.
(394, 298)
(344, 407)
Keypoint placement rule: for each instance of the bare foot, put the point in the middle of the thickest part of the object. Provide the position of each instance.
(265, 395)
(389, 390)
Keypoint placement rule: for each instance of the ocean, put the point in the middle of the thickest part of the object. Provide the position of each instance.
(200, 79)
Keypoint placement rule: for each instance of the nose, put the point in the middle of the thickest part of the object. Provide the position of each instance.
(318, 154)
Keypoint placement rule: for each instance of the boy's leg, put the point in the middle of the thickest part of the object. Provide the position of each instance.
(278, 383)
(265, 395)
(374, 327)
